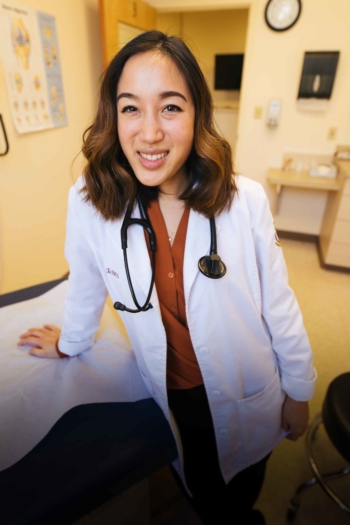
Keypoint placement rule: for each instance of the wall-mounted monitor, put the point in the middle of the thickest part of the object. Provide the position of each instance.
(228, 71)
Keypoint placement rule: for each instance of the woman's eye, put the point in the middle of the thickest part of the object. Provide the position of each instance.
(129, 109)
(171, 108)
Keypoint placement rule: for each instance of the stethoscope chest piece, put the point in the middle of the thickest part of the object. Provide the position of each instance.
(212, 266)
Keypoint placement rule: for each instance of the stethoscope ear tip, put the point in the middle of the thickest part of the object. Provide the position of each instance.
(119, 306)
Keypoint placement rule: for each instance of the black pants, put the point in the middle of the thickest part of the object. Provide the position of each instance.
(213, 500)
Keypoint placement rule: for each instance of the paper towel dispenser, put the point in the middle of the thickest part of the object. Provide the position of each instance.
(318, 74)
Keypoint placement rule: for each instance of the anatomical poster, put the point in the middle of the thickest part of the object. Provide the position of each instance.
(32, 67)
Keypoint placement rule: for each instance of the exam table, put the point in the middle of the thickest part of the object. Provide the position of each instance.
(74, 433)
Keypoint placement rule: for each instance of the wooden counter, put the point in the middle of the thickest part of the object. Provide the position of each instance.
(300, 179)
(334, 239)
(334, 242)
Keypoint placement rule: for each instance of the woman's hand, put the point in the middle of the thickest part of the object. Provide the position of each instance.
(44, 341)
(295, 417)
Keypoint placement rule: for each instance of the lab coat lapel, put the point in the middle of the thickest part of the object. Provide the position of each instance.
(197, 245)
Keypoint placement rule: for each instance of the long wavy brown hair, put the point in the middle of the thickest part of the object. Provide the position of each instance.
(110, 183)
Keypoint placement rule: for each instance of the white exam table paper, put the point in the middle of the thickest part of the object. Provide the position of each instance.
(35, 392)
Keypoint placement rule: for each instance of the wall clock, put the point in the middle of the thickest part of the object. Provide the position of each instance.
(282, 14)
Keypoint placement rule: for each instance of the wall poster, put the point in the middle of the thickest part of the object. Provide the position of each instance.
(31, 62)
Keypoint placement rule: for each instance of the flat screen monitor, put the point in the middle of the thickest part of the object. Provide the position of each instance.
(228, 71)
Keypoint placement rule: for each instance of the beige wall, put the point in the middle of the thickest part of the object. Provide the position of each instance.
(170, 23)
(209, 33)
(127, 33)
(36, 174)
(272, 68)
(198, 5)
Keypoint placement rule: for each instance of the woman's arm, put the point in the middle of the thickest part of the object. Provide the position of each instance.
(280, 310)
(85, 300)
(282, 315)
(87, 293)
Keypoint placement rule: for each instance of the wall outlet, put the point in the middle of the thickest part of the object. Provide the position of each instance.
(258, 112)
(332, 133)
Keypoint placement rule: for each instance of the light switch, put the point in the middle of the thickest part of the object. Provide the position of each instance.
(332, 133)
(258, 112)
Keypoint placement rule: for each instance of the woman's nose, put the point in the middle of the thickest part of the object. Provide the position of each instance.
(151, 130)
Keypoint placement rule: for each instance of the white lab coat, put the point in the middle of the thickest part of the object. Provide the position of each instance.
(246, 328)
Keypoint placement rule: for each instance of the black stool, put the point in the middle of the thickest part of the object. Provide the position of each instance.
(336, 419)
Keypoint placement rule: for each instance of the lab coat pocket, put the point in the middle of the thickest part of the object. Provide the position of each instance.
(261, 418)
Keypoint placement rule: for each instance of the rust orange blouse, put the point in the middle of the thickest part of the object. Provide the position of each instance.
(182, 367)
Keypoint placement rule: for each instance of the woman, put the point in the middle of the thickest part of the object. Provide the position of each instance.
(227, 352)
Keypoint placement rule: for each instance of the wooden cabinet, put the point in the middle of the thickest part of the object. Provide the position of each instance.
(135, 13)
(335, 230)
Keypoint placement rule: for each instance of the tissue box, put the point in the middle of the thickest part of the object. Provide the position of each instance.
(324, 170)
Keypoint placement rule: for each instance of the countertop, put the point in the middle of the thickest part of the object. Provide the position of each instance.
(343, 165)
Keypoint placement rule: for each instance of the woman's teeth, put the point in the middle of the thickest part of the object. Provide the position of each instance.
(153, 157)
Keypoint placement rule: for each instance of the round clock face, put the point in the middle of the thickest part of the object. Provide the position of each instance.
(282, 14)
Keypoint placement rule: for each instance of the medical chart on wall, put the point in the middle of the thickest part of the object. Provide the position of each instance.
(31, 63)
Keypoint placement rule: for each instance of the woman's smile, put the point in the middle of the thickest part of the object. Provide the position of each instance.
(152, 160)
(154, 156)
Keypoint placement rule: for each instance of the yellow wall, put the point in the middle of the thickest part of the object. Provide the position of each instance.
(36, 174)
(165, 6)
(170, 23)
(272, 68)
(210, 33)
(127, 33)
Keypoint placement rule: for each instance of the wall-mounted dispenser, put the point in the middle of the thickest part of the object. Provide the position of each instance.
(274, 113)
(317, 79)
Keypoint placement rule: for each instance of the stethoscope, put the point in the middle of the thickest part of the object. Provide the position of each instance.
(210, 265)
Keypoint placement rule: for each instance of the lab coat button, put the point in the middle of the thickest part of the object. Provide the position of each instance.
(216, 393)
(204, 350)
(223, 431)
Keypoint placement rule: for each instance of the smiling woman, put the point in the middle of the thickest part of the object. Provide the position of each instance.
(227, 357)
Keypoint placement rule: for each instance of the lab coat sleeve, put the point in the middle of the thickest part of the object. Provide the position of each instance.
(280, 310)
(87, 292)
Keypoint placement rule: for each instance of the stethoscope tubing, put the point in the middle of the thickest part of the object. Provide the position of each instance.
(147, 304)
(210, 265)
(145, 223)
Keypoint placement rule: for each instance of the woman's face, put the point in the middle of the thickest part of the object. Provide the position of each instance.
(155, 120)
